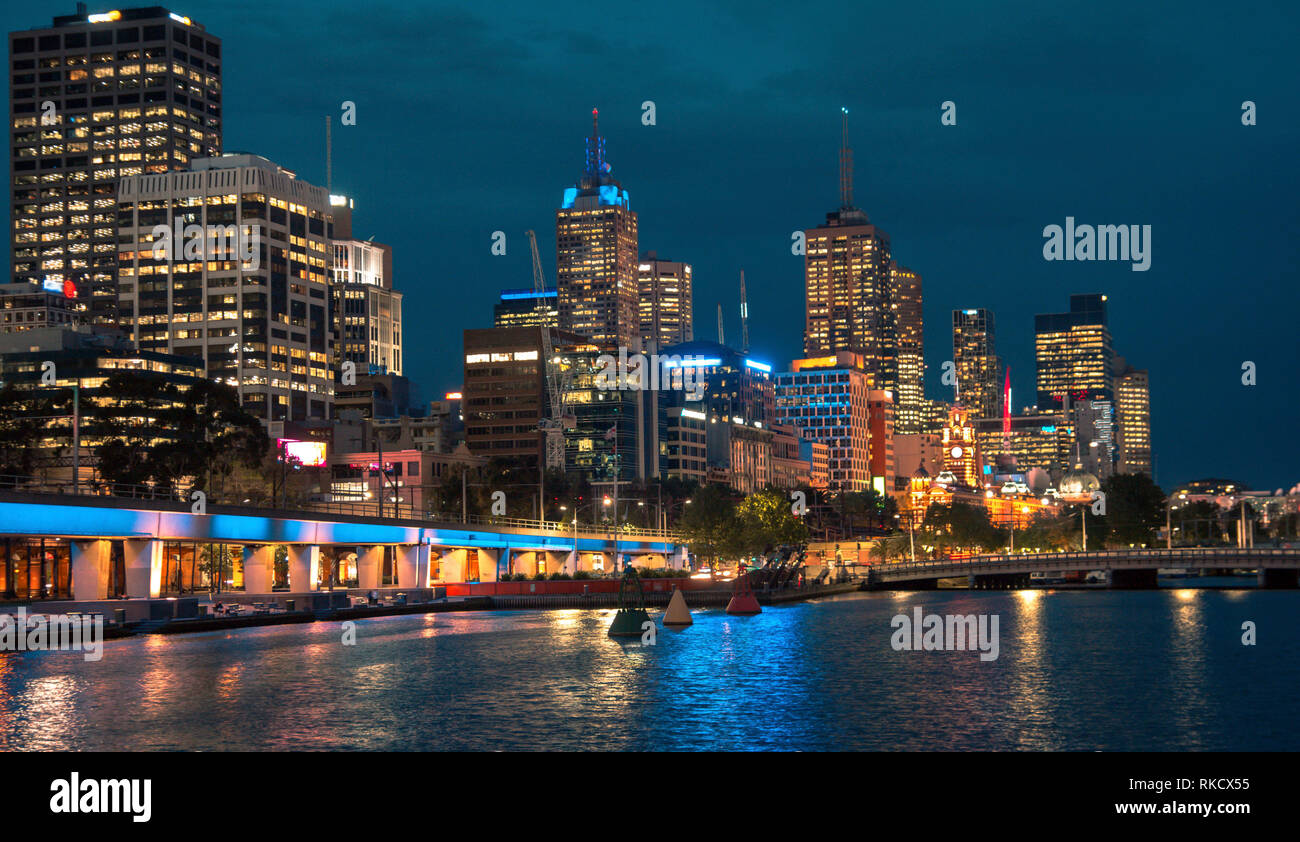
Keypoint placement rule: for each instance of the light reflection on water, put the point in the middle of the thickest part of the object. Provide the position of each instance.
(1077, 671)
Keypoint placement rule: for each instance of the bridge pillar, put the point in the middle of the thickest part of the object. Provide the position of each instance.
(369, 560)
(304, 567)
(571, 562)
(259, 559)
(1134, 579)
(144, 559)
(1275, 577)
(489, 563)
(90, 569)
(998, 581)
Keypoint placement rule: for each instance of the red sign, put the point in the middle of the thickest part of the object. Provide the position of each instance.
(69, 289)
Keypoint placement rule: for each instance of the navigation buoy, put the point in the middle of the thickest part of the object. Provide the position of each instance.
(631, 619)
(677, 614)
(743, 600)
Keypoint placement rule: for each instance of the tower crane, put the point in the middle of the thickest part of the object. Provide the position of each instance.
(561, 418)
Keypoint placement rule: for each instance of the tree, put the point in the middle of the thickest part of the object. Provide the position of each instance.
(709, 524)
(767, 522)
(25, 413)
(152, 431)
(1135, 509)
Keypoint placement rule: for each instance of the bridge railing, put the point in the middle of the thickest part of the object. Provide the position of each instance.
(354, 508)
(1082, 560)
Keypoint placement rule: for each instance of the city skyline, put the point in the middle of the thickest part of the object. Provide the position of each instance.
(722, 185)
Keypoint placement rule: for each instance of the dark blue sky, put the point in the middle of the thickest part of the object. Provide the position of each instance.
(470, 119)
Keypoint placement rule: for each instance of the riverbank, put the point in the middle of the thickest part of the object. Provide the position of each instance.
(284, 613)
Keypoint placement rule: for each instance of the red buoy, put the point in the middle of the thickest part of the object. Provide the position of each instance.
(743, 600)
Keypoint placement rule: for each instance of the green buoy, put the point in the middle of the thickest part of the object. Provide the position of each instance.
(631, 617)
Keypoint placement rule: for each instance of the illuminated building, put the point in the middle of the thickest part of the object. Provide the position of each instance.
(596, 254)
(739, 453)
(366, 311)
(978, 367)
(880, 421)
(1133, 416)
(616, 430)
(259, 318)
(848, 280)
(376, 395)
(909, 410)
(916, 450)
(683, 450)
(85, 356)
(1035, 440)
(960, 449)
(526, 308)
(734, 385)
(828, 400)
(789, 468)
(664, 294)
(505, 392)
(1074, 353)
(24, 306)
(133, 92)
(1095, 437)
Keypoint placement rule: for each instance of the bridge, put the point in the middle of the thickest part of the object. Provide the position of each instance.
(1276, 567)
(87, 547)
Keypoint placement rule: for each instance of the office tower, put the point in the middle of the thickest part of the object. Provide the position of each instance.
(1133, 414)
(504, 396)
(1074, 353)
(25, 306)
(664, 309)
(732, 384)
(1095, 437)
(238, 279)
(1034, 440)
(978, 368)
(94, 99)
(596, 254)
(365, 310)
(827, 400)
(910, 411)
(526, 308)
(848, 285)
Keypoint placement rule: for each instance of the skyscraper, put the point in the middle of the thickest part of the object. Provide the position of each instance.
(596, 254)
(977, 364)
(1074, 353)
(828, 399)
(525, 308)
(255, 308)
(665, 311)
(909, 410)
(94, 99)
(1133, 414)
(849, 284)
(365, 309)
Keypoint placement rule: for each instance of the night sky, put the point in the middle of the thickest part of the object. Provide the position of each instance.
(471, 118)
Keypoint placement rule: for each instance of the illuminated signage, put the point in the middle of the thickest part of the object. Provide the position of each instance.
(310, 454)
(758, 365)
(690, 413)
(106, 17)
(451, 396)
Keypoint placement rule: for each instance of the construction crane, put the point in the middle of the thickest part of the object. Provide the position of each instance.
(561, 418)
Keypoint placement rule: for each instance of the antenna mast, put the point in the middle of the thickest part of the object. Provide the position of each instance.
(721, 336)
(846, 163)
(744, 316)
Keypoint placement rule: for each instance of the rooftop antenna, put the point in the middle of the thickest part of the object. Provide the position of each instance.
(1006, 413)
(744, 316)
(846, 163)
(721, 336)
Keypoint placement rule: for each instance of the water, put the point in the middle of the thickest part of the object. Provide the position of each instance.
(1158, 670)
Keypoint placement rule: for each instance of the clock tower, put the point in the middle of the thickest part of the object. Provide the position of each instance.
(960, 450)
